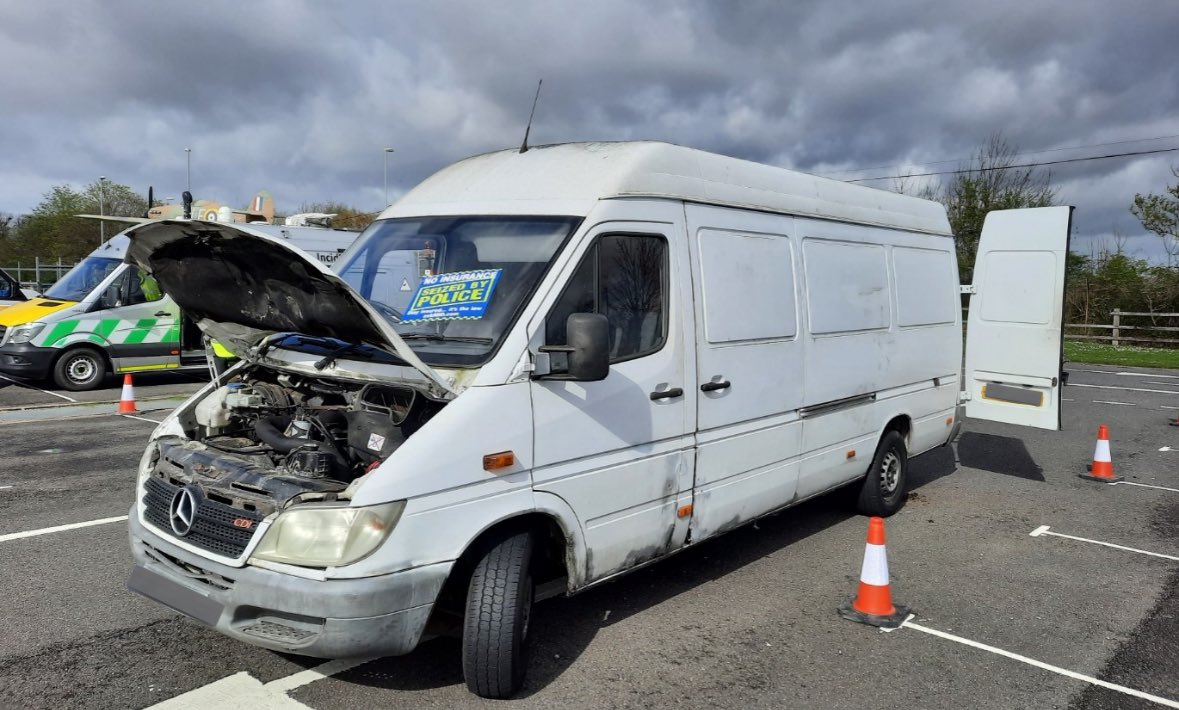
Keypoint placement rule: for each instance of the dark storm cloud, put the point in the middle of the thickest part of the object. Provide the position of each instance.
(302, 97)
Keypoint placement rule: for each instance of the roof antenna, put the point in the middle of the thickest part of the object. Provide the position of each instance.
(524, 145)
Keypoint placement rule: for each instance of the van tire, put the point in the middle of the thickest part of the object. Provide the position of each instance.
(80, 369)
(495, 627)
(883, 491)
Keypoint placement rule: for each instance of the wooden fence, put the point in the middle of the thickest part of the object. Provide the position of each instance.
(1148, 333)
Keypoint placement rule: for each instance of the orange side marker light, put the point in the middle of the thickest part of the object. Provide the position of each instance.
(495, 462)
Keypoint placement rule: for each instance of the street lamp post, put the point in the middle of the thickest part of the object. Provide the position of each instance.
(101, 208)
(188, 167)
(387, 152)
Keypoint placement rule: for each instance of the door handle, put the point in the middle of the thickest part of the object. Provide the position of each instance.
(667, 394)
(714, 386)
(161, 314)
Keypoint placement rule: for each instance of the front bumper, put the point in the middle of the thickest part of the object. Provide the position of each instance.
(26, 360)
(336, 618)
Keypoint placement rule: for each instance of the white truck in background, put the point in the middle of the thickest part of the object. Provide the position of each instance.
(602, 355)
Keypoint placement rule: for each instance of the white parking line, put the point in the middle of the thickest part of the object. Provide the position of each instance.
(4, 487)
(1123, 404)
(22, 384)
(61, 528)
(1144, 485)
(908, 624)
(1122, 389)
(1043, 530)
(1124, 373)
(243, 690)
(142, 419)
(74, 418)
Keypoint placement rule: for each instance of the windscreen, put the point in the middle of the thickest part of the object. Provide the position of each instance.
(82, 279)
(453, 286)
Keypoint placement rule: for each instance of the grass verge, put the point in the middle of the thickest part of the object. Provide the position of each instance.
(1132, 355)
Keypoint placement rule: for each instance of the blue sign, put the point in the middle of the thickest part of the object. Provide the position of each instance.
(462, 295)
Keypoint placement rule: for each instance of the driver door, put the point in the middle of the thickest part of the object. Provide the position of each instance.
(620, 451)
(138, 325)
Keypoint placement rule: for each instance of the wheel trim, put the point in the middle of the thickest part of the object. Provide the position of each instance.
(81, 369)
(890, 472)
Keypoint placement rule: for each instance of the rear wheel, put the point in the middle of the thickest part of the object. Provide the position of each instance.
(80, 369)
(495, 627)
(883, 491)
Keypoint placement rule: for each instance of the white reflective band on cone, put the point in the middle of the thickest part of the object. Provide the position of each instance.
(1101, 453)
(875, 569)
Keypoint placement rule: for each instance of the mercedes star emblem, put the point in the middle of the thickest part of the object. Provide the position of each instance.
(182, 512)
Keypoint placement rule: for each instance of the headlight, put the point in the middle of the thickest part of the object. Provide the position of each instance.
(328, 536)
(25, 333)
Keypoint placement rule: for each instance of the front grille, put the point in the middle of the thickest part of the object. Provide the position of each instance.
(213, 527)
(197, 574)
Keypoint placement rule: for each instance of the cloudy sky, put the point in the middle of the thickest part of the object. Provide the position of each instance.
(302, 97)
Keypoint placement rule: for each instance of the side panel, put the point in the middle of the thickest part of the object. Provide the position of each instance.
(1014, 335)
(749, 364)
(882, 340)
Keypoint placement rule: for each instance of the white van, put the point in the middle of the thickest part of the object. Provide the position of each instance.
(541, 370)
(105, 317)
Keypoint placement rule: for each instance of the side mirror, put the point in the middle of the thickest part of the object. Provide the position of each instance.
(588, 335)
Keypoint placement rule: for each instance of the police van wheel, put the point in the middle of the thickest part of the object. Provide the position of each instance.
(883, 492)
(495, 627)
(80, 369)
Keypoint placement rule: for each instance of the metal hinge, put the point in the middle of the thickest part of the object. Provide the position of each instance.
(967, 289)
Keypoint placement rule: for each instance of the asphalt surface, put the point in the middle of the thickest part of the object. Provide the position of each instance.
(746, 620)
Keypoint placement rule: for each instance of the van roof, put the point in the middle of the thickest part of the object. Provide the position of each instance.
(572, 177)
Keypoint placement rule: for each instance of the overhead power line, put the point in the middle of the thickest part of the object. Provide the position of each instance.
(1022, 165)
(1022, 152)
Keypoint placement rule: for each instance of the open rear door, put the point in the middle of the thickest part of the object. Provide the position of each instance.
(1014, 334)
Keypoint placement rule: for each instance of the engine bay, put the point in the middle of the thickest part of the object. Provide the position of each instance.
(264, 439)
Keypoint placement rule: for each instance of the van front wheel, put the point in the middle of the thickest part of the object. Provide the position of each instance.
(883, 492)
(495, 628)
(80, 369)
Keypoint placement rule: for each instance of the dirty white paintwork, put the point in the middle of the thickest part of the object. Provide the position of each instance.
(805, 406)
(1016, 316)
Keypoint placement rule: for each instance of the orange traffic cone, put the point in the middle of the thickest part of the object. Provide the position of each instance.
(873, 604)
(127, 401)
(1102, 469)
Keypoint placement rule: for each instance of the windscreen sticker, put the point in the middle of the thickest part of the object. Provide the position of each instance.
(462, 295)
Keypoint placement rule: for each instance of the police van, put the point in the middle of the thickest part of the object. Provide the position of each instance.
(602, 354)
(105, 316)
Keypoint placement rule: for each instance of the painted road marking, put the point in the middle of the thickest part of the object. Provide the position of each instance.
(76, 417)
(4, 487)
(1122, 389)
(1163, 406)
(908, 624)
(1145, 485)
(243, 690)
(1043, 530)
(142, 419)
(1166, 448)
(1125, 373)
(61, 528)
(1123, 404)
(21, 384)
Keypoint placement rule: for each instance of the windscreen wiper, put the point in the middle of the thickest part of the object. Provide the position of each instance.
(346, 349)
(439, 338)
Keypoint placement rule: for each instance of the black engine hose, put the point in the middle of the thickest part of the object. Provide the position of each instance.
(270, 431)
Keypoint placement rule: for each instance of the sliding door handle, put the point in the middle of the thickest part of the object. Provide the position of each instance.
(667, 394)
(714, 386)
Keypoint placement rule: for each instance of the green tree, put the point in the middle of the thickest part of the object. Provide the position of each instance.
(1160, 214)
(991, 181)
(53, 229)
